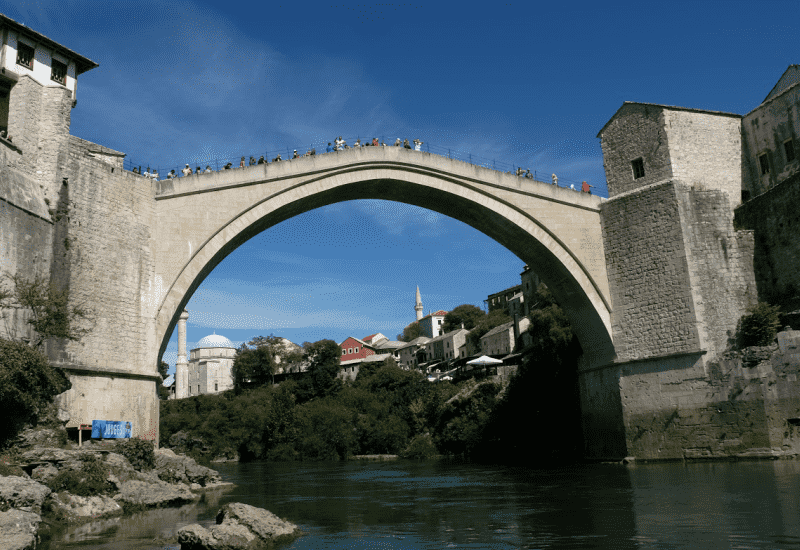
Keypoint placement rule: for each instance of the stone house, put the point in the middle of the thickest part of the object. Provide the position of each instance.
(502, 339)
(210, 366)
(410, 353)
(431, 324)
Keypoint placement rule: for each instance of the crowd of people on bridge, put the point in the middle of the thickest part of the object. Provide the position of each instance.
(338, 144)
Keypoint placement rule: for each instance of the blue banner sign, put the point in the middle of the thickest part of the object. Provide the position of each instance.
(110, 429)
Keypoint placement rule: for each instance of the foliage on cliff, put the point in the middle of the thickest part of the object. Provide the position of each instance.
(381, 412)
(27, 385)
(387, 410)
(759, 326)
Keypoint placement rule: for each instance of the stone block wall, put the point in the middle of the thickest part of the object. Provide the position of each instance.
(690, 407)
(109, 261)
(720, 262)
(775, 220)
(705, 150)
(653, 308)
(39, 119)
(637, 130)
(764, 131)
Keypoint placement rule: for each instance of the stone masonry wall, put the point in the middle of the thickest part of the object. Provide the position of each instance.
(653, 310)
(720, 264)
(733, 406)
(39, 119)
(765, 129)
(706, 150)
(26, 233)
(636, 131)
(775, 220)
(110, 263)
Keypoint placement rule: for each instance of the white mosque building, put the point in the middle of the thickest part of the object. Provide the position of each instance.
(210, 364)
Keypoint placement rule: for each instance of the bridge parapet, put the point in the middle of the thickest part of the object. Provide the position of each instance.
(363, 158)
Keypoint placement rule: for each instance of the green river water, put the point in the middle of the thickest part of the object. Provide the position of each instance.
(440, 504)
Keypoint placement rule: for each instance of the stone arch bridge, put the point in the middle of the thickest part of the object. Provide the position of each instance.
(202, 218)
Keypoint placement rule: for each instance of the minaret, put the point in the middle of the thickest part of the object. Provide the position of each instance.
(418, 306)
(181, 365)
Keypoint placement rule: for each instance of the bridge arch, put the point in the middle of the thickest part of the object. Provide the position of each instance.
(221, 211)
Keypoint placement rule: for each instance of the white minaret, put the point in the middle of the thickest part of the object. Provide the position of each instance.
(181, 365)
(418, 305)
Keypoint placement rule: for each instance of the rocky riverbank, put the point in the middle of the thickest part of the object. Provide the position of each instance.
(51, 486)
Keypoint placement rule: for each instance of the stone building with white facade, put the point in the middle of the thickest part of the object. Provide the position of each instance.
(210, 365)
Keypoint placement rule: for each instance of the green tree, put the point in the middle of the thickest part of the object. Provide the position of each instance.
(466, 314)
(163, 393)
(411, 332)
(323, 357)
(253, 367)
(493, 319)
(27, 385)
(52, 316)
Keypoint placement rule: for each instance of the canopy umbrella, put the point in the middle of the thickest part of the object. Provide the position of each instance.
(484, 361)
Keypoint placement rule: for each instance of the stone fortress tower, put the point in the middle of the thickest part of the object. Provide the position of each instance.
(418, 305)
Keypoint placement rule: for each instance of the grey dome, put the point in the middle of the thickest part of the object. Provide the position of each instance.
(215, 341)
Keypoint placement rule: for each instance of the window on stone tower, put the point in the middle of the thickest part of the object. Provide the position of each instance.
(216, 388)
(788, 148)
(58, 72)
(25, 55)
(638, 168)
(763, 162)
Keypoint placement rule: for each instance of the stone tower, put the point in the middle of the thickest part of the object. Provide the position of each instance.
(418, 305)
(181, 365)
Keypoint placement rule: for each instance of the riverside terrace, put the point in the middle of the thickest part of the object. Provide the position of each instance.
(218, 164)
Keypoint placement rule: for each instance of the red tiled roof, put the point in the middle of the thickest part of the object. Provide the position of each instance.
(370, 337)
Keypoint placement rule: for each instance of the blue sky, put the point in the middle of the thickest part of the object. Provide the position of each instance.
(524, 83)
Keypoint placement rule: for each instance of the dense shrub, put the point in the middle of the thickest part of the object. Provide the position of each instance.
(139, 453)
(91, 479)
(27, 385)
(759, 326)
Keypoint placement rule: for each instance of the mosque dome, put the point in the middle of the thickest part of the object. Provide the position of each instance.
(215, 341)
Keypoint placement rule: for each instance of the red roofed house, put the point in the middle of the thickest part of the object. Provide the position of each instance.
(353, 348)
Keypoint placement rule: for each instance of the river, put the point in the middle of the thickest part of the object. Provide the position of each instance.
(439, 504)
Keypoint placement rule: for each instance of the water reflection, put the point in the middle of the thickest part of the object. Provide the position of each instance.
(432, 504)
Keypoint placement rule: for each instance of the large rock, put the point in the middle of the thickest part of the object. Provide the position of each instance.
(174, 468)
(239, 526)
(263, 523)
(219, 537)
(71, 507)
(141, 494)
(18, 530)
(22, 493)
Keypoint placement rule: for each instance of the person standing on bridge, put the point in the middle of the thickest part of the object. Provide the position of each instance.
(375, 142)
(586, 188)
(241, 163)
(329, 149)
(417, 145)
(261, 159)
(555, 179)
(406, 145)
(187, 171)
(398, 143)
(208, 169)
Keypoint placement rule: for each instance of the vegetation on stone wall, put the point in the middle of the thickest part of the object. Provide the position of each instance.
(52, 315)
(759, 326)
(28, 383)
